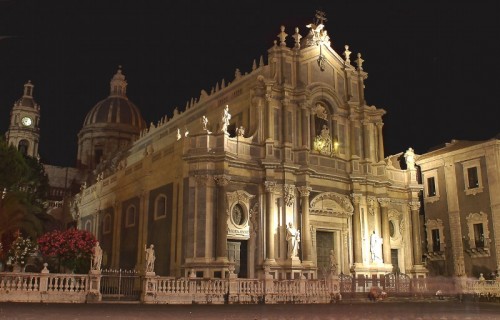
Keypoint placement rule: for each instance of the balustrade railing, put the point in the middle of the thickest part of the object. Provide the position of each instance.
(47, 287)
(43, 287)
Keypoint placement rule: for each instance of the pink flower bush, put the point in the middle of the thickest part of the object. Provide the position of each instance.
(73, 247)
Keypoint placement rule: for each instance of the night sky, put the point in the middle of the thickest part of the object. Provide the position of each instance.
(432, 65)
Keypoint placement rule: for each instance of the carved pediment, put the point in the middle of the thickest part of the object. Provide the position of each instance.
(331, 203)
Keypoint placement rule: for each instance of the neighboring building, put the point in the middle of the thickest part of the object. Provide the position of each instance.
(24, 133)
(64, 183)
(462, 207)
(297, 148)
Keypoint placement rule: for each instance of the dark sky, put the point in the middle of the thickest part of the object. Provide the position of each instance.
(432, 65)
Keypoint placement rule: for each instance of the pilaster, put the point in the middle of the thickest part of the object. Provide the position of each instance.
(222, 214)
(306, 226)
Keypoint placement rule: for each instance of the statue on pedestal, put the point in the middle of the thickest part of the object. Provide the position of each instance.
(376, 248)
(150, 258)
(96, 257)
(293, 239)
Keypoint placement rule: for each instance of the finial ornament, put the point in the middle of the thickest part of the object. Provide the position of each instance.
(360, 61)
(282, 36)
(297, 38)
(347, 54)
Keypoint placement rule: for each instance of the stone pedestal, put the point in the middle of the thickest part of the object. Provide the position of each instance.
(94, 294)
(148, 287)
(294, 262)
(370, 269)
(419, 271)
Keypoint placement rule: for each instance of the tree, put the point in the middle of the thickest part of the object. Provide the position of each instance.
(73, 248)
(23, 187)
(13, 167)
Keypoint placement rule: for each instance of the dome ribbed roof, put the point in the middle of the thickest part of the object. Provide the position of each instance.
(116, 108)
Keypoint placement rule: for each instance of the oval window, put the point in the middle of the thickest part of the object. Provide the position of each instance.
(391, 228)
(238, 215)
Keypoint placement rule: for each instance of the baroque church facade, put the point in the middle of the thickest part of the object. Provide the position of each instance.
(282, 169)
(286, 155)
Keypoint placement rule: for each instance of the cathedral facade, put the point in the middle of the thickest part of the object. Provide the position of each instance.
(282, 169)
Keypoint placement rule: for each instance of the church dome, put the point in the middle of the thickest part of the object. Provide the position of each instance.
(116, 108)
(111, 125)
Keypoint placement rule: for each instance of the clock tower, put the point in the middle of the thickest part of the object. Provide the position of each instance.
(24, 131)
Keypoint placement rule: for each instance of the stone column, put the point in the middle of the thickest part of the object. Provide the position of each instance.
(143, 228)
(270, 118)
(305, 125)
(356, 229)
(352, 136)
(270, 188)
(255, 226)
(222, 215)
(117, 228)
(366, 140)
(386, 237)
(380, 141)
(415, 230)
(306, 227)
(285, 124)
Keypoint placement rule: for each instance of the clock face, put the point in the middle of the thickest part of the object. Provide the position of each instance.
(26, 121)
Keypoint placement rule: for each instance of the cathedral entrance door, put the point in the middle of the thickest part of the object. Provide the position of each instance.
(237, 251)
(324, 243)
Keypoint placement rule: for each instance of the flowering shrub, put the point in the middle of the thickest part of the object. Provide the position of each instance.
(72, 247)
(20, 250)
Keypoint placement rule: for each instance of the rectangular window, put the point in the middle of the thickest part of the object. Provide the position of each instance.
(479, 235)
(436, 242)
(431, 187)
(472, 177)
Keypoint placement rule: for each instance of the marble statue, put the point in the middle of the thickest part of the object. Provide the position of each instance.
(293, 239)
(150, 258)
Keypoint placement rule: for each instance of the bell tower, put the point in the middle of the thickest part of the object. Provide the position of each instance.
(24, 130)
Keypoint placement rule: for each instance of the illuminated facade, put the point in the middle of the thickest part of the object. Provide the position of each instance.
(297, 147)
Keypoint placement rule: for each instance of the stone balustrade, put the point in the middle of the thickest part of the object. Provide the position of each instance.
(44, 287)
(482, 288)
(81, 288)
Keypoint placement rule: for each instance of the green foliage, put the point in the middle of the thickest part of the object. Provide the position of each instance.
(26, 184)
(13, 167)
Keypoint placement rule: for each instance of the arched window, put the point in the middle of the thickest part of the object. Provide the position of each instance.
(160, 207)
(88, 226)
(324, 140)
(23, 147)
(130, 216)
(106, 224)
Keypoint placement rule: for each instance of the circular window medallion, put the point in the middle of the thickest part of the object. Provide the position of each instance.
(238, 215)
